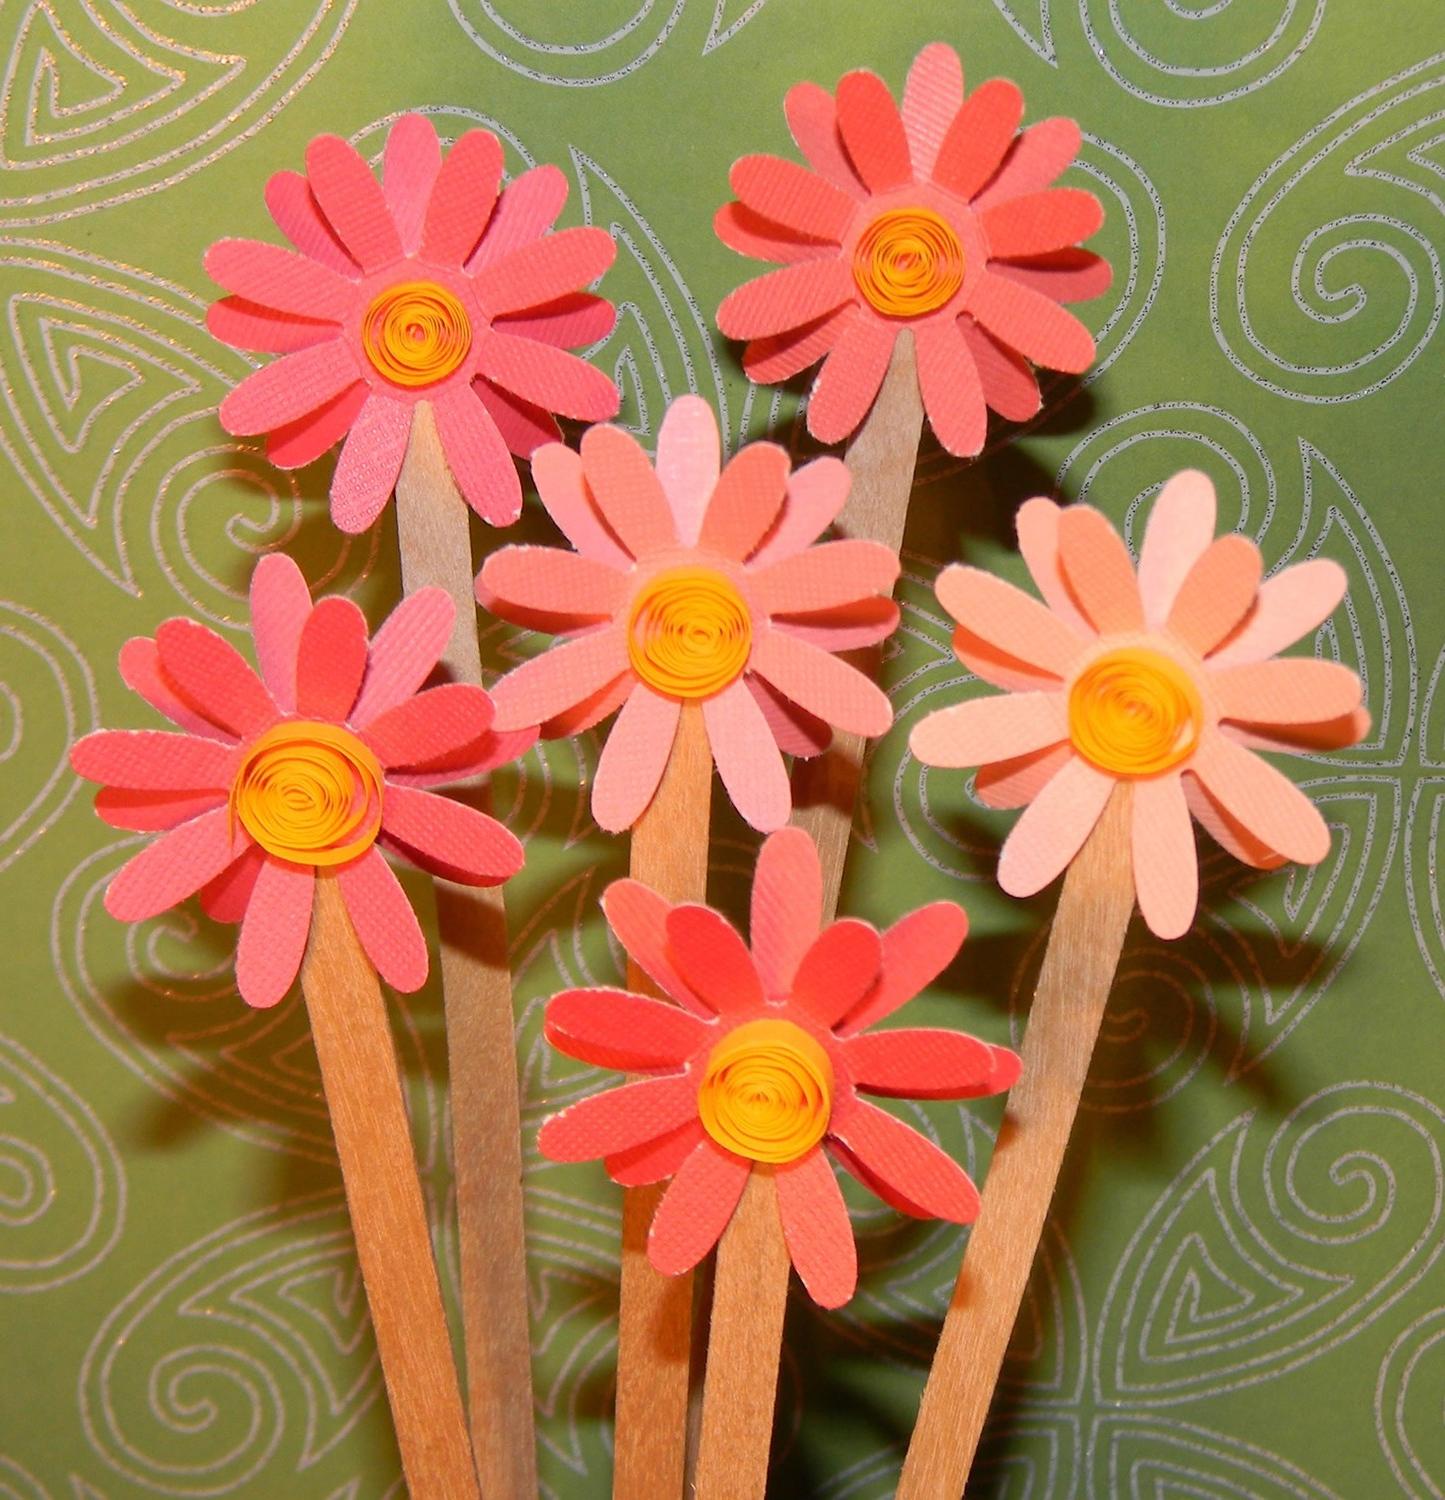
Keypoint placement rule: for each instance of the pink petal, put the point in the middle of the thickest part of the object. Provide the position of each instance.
(274, 932)
(787, 907)
(611, 1028)
(303, 441)
(784, 193)
(527, 209)
(226, 898)
(152, 812)
(796, 731)
(547, 583)
(542, 688)
(1286, 691)
(1166, 868)
(140, 670)
(740, 229)
(433, 726)
(247, 325)
(747, 758)
(561, 483)
(713, 959)
(1009, 386)
(449, 838)
(634, 758)
(331, 660)
(985, 730)
(404, 650)
(293, 207)
(1217, 593)
(638, 915)
(816, 494)
(1038, 533)
(524, 426)
(1287, 608)
(175, 866)
(211, 674)
(627, 490)
(352, 201)
(982, 130)
(1227, 831)
(951, 387)
(271, 277)
(932, 96)
(1267, 804)
(1061, 275)
(1053, 828)
(823, 684)
(1015, 783)
(991, 664)
(1099, 571)
(1029, 322)
(652, 1161)
(545, 270)
(1038, 223)
(1180, 528)
(922, 1063)
(590, 710)
(566, 322)
(384, 921)
(872, 131)
(813, 121)
(825, 577)
(851, 376)
(280, 607)
(462, 199)
(1035, 159)
(781, 356)
(895, 1154)
(695, 1210)
(370, 463)
(154, 760)
(996, 611)
(840, 967)
(619, 1119)
(289, 388)
(410, 163)
(816, 1229)
(786, 299)
(746, 501)
(480, 461)
(845, 628)
(916, 950)
(547, 377)
(688, 463)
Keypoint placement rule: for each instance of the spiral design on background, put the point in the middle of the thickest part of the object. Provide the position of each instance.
(908, 262)
(1134, 712)
(309, 793)
(416, 334)
(689, 633)
(767, 1093)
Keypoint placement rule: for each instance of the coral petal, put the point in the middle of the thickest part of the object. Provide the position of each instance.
(838, 969)
(619, 1119)
(713, 959)
(384, 921)
(449, 838)
(1031, 323)
(913, 1167)
(634, 758)
(872, 131)
(696, 1208)
(952, 389)
(273, 932)
(352, 201)
(331, 660)
(980, 134)
(788, 298)
(612, 1028)
(210, 673)
(370, 463)
(787, 907)
(816, 1229)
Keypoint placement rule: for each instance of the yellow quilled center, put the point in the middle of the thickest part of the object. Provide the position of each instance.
(416, 333)
(689, 633)
(767, 1093)
(310, 793)
(1135, 712)
(908, 262)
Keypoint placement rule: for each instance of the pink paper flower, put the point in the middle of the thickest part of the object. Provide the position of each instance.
(1164, 681)
(693, 586)
(940, 220)
(299, 774)
(759, 1066)
(431, 286)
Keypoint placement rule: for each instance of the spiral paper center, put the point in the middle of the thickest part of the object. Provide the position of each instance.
(416, 333)
(1134, 712)
(768, 1092)
(908, 262)
(689, 633)
(309, 793)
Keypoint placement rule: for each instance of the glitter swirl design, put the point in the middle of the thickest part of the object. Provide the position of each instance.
(689, 633)
(908, 263)
(767, 1093)
(416, 334)
(1135, 712)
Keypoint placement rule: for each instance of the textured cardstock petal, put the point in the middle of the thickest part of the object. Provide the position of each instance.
(560, 677)
(280, 607)
(746, 502)
(175, 866)
(432, 726)
(1099, 571)
(747, 758)
(1015, 783)
(1019, 625)
(1217, 593)
(140, 670)
(816, 1229)
(548, 377)
(980, 134)
(524, 426)
(991, 729)
(289, 388)
(627, 491)
(370, 463)
(384, 921)
(246, 325)
(826, 576)
(1288, 606)
(352, 201)
(210, 673)
(872, 131)
(913, 1167)
(1038, 531)
(270, 277)
(527, 209)
(1263, 800)
(619, 1119)
(549, 268)
(1060, 275)
(655, 1160)
(796, 731)
(952, 389)
(638, 916)
(1289, 690)
(696, 1208)
(411, 160)
(1039, 222)
(1037, 156)
(480, 461)
(273, 932)
(749, 233)
(780, 356)
(634, 758)
(786, 908)
(1177, 534)
(852, 374)
(713, 959)
(566, 322)
(1166, 867)
(152, 812)
(1029, 322)
(226, 898)
(154, 760)
(786, 299)
(547, 584)
(688, 463)
(816, 494)
(611, 1028)
(838, 970)
(1053, 827)
(813, 121)
(842, 629)
(825, 685)
(404, 650)
(1227, 831)
(923, 1063)
(450, 838)
(331, 659)
(305, 440)
(293, 206)
(462, 199)
(792, 196)
(932, 96)
(916, 950)
(558, 474)
(1009, 385)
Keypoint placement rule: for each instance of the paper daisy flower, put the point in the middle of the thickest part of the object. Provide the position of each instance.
(304, 772)
(760, 1064)
(1165, 681)
(430, 286)
(692, 584)
(939, 219)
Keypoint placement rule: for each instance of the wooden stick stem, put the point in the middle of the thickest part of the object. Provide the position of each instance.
(435, 543)
(1068, 1008)
(388, 1214)
(654, 1332)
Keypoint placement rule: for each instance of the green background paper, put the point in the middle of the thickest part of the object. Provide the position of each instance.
(1240, 1293)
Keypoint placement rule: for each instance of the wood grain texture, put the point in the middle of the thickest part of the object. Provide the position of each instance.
(388, 1213)
(881, 459)
(435, 539)
(654, 1332)
(1068, 1008)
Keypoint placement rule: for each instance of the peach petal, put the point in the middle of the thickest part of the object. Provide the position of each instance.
(688, 463)
(1263, 801)
(1015, 783)
(1038, 533)
(1053, 828)
(1286, 691)
(796, 731)
(370, 463)
(786, 194)
(816, 495)
(995, 666)
(1179, 531)
(746, 501)
(747, 757)
(1099, 571)
(932, 96)
(634, 759)
(786, 299)
(1031, 323)
(984, 730)
(411, 159)
(546, 581)
(1287, 608)
(561, 483)
(825, 577)
(1225, 830)
(851, 377)
(872, 131)
(823, 684)
(816, 1229)
(1217, 593)
(540, 689)
(695, 1210)
(786, 907)
(952, 389)
(981, 132)
(1166, 867)
(997, 612)
(845, 628)
(813, 120)
(352, 201)
(590, 710)
(384, 921)
(627, 491)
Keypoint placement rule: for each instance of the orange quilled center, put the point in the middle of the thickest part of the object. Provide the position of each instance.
(908, 262)
(689, 633)
(767, 1092)
(1135, 712)
(416, 333)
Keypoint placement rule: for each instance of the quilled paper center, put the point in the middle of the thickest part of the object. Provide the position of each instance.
(908, 262)
(689, 633)
(309, 793)
(1134, 712)
(416, 333)
(767, 1093)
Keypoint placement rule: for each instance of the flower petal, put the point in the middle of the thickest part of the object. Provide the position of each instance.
(289, 388)
(1037, 223)
(688, 463)
(463, 198)
(740, 229)
(746, 502)
(1227, 831)
(537, 583)
(611, 1028)
(928, 1063)
(1287, 608)
(845, 628)
(565, 322)
(838, 969)
(411, 160)
(785, 299)
(226, 898)
(280, 608)
(639, 1166)
(895, 1154)
(404, 650)
(542, 688)
(545, 270)
(816, 494)
(1217, 593)
(1053, 828)
(796, 731)
(638, 915)
(1034, 160)
(449, 838)
(851, 377)
(1288, 690)
(781, 356)
(786, 907)
(634, 759)
(1007, 378)
(813, 121)
(384, 921)
(175, 866)
(816, 1229)
(561, 483)
(433, 726)
(210, 673)
(932, 96)
(985, 730)
(370, 463)
(152, 812)
(306, 439)
(1266, 803)
(1029, 322)
(292, 205)
(713, 959)
(1166, 866)
(619, 1119)
(527, 209)
(590, 711)
(547, 377)
(825, 577)
(154, 760)
(1099, 571)
(271, 277)
(747, 758)
(331, 660)
(916, 950)
(523, 425)
(140, 670)
(952, 388)
(627, 490)
(480, 461)
(247, 325)
(1015, 783)
(872, 131)
(273, 932)
(1038, 532)
(825, 685)
(695, 1210)
(1001, 614)
(352, 201)
(1060, 275)
(1179, 530)
(792, 196)
(981, 132)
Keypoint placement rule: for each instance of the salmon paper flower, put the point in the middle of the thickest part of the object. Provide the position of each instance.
(304, 772)
(693, 584)
(939, 219)
(1165, 681)
(760, 1063)
(431, 286)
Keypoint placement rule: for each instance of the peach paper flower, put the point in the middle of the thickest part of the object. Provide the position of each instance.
(693, 586)
(939, 219)
(759, 1066)
(430, 286)
(300, 773)
(1164, 681)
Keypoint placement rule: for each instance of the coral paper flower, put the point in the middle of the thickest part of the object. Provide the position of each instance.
(1165, 681)
(431, 285)
(300, 773)
(759, 1066)
(693, 586)
(939, 219)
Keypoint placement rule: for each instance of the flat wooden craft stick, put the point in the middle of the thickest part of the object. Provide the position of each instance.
(435, 540)
(1063, 1024)
(388, 1214)
(654, 1331)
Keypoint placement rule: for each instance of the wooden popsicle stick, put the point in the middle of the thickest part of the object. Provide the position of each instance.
(388, 1214)
(654, 1328)
(435, 541)
(1068, 1009)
